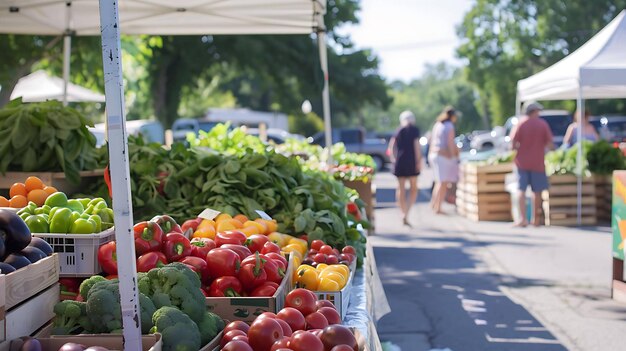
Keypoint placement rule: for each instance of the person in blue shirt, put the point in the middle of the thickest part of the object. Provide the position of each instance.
(589, 132)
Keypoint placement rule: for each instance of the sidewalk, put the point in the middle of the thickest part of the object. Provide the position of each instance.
(457, 284)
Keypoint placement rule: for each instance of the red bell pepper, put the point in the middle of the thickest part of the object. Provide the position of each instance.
(241, 250)
(272, 269)
(200, 247)
(280, 260)
(167, 224)
(255, 242)
(265, 289)
(225, 287)
(69, 288)
(176, 247)
(151, 260)
(223, 262)
(107, 257)
(201, 265)
(270, 247)
(252, 273)
(148, 237)
(230, 237)
(190, 226)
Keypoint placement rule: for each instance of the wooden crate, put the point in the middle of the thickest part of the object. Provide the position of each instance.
(560, 201)
(27, 297)
(481, 193)
(367, 193)
(604, 197)
(55, 179)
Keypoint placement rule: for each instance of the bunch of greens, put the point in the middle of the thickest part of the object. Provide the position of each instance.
(231, 142)
(604, 158)
(563, 161)
(46, 136)
(505, 157)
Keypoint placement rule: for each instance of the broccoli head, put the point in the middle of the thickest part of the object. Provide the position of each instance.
(147, 310)
(86, 285)
(67, 316)
(210, 325)
(179, 332)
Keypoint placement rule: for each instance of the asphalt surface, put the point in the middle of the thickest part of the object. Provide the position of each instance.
(466, 286)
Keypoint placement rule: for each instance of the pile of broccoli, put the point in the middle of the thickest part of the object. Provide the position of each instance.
(170, 300)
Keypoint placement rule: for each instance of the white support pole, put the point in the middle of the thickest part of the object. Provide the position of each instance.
(321, 41)
(67, 49)
(580, 103)
(120, 173)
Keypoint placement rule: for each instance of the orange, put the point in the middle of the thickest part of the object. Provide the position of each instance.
(50, 190)
(18, 201)
(4, 202)
(33, 183)
(241, 218)
(18, 189)
(37, 196)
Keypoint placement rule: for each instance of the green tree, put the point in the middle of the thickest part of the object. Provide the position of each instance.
(305, 124)
(505, 41)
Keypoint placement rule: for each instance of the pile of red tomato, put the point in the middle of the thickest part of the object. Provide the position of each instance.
(231, 265)
(305, 324)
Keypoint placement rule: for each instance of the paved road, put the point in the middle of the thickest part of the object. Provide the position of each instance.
(457, 284)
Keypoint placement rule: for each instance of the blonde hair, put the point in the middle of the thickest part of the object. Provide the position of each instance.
(407, 117)
(447, 114)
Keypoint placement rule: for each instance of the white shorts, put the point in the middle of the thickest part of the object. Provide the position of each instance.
(444, 169)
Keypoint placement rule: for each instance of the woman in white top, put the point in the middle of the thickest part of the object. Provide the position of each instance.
(443, 156)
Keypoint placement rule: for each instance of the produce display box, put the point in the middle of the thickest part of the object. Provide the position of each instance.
(481, 194)
(341, 298)
(55, 179)
(27, 297)
(367, 193)
(248, 308)
(604, 197)
(150, 342)
(78, 253)
(560, 201)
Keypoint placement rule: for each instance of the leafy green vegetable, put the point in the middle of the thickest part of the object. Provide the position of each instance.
(564, 161)
(604, 158)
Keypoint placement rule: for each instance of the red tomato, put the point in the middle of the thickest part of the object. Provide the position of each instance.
(286, 328)
(342, 347)
(255, 242)
(236, 325)
(317, 244)
(316, 320)
(336, 252)
(337, 335)
(320, 258)
(270, 315)
(302, 300)
(349, 250)
(305, 341)
(324, 303)
(293, 317)
(264, 333)
(242, 338)
(347, 257)
(237, 345)
(332, 259)
(270, 247)
(327, 250)
(281, 344)
(331, 314)
(230, 335)
(312, 252)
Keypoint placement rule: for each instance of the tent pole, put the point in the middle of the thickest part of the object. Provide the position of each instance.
(579, 154)
(321, 40)
(120, 173)
(67, 49)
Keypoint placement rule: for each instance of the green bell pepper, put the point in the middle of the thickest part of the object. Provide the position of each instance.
(98, 222)
(84, 201)
(61, 220)
(57, 199)
(106, 214)
(37, 224)
(75, 215)
(30, 209)
(75, 205)
(83, 226)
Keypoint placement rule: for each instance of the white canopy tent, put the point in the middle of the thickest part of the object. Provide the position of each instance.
(39, 86)
(597, 70)
(91, 17)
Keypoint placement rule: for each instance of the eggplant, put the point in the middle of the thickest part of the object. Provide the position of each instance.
(33, 254)
(17, 260)
(13, 231)
(41, 245)
(6, 268)
(71, 346)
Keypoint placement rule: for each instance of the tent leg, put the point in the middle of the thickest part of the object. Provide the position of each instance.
(579, 155)
(67, 49)
(120, 173)
(321, 40)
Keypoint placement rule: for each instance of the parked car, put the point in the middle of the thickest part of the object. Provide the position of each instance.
(558, 121)
(610, 128)
(151, 130)
(183, 126)
(355, 141)
(278, 136)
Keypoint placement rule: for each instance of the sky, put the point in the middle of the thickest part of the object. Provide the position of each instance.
(407, 34)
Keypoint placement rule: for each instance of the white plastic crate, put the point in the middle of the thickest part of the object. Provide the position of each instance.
(341, 298)
(78, 253)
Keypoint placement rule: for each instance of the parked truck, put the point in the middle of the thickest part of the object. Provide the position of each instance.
(356, 141)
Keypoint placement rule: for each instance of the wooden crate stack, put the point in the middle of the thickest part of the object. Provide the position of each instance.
(27, 299)
(560, 201)
(481, 193)
(604, 197)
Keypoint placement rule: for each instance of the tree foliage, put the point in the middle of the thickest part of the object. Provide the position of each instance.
(505, 41)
